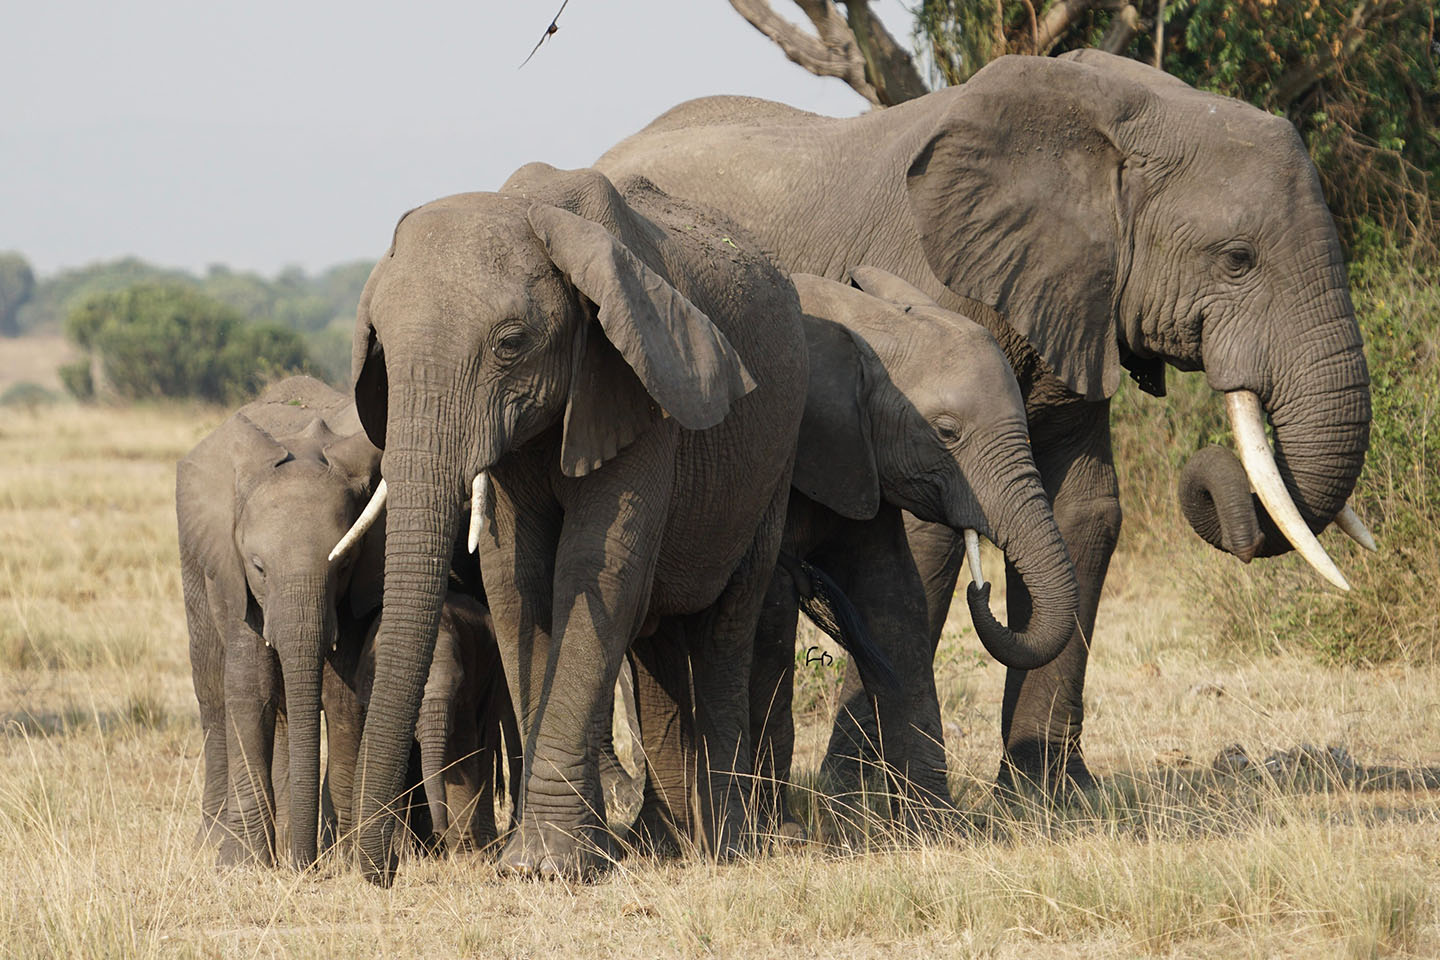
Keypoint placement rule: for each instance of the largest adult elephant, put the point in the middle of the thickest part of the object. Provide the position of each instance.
(1097, 215)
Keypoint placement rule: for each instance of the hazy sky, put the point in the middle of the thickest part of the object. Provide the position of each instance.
(267, 133)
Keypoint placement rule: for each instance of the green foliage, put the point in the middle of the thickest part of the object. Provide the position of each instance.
(294, 300)
(168, 340)
(1360, 79)
(17, 284)
(27, 394)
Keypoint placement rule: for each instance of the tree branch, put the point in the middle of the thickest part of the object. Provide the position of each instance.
(1057, 20)
(888, 66)
(1122, 30)
(834, 53)
(1294, 83)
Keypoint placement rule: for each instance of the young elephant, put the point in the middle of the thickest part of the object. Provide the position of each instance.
(463, 715)
(910, 407)
(617, 379)
(260, 502)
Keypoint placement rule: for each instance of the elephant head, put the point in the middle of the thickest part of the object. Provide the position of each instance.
(1122, 219)
(495, 318)
(918, 406)
(262, 511)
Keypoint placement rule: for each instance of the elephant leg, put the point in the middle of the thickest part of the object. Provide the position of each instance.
(343, 723)
(207, 670)
(772, 723)
(280, 780)
(667, 748)
(900, 731)
(1043, 710)
(469, 795)
(722, 648)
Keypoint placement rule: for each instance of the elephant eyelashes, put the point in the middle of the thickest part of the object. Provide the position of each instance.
(947, 429)
(510, 341)
(1238, 259)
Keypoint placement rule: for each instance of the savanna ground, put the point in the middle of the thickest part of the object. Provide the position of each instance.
(1194, 845)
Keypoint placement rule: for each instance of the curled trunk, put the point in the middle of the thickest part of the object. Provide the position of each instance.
(1025, 530)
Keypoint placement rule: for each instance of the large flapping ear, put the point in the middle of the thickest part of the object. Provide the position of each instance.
(835, 453)
(367, 364)
(358, 460)
(208, 485)
(684, 362)
(1023, 197)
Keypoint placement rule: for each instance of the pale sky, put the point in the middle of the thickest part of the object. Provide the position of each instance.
(267, 133)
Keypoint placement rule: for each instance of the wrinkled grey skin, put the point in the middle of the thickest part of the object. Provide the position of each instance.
(1096, 216)
(464, 712)
(260, 502)
(910, 407)
(631, 375)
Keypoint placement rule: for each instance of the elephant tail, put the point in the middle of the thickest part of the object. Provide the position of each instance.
(826, 606)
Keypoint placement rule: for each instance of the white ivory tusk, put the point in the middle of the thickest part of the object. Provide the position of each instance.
(362, 523)
(1248, 422)
(479, 490)
(972, 554)
(1354, 528)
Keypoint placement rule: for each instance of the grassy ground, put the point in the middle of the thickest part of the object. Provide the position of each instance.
(1276, 850)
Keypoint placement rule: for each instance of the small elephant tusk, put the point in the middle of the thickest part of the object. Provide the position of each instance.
(1259, 461)
(1354, 528)
(479, 491)
(362, 524)
(972, 554)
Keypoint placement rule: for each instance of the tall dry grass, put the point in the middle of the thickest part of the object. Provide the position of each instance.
(1312, 853)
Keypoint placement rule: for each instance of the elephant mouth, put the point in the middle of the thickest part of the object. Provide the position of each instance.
(1247, 420)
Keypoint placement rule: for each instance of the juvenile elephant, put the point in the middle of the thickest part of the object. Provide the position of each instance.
(260, 502)
(1098, 216)
(616, 378)
(910, 407)
(464, 712)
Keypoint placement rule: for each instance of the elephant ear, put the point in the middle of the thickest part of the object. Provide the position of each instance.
(208, 496)
(1023, 198)
(887, 286)
(367, 362)
(835, 453)
(357, 461)
(682, 360)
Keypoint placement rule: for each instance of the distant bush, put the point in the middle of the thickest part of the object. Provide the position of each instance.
(27, 394)
(167, 340)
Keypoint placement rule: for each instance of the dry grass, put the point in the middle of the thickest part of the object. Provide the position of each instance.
(100, 777)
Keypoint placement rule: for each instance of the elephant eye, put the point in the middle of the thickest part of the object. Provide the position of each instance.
(947, 428)
(1238, 259)
(510, 341)
(259, 567)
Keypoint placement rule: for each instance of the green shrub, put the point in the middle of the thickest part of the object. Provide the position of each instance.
(27, 394)
(168, 340)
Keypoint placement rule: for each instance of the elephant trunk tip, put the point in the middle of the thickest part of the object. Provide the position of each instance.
(1022, 651)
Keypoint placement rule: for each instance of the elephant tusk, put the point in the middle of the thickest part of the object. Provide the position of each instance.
(972, 554)
(479, 490)
(1354, 528)
(363, 523)
(1258, 459)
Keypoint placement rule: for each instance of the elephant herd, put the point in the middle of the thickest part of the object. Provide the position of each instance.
(755, 361)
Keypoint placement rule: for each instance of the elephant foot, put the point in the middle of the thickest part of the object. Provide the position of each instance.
(235, 853)
(653, 834)
(1056, 773)
(547, 852)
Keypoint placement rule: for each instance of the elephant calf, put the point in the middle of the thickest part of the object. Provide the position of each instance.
(915, 408)
(259, 503)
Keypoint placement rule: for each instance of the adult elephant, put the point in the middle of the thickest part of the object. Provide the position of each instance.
(259, 503)
(909, 407)
(1097, 216)
(616, 379)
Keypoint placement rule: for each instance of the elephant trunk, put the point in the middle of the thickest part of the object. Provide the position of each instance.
(301, 636)
(433, 733)
(1318, 404)
(423, 517)
(1024, 528)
